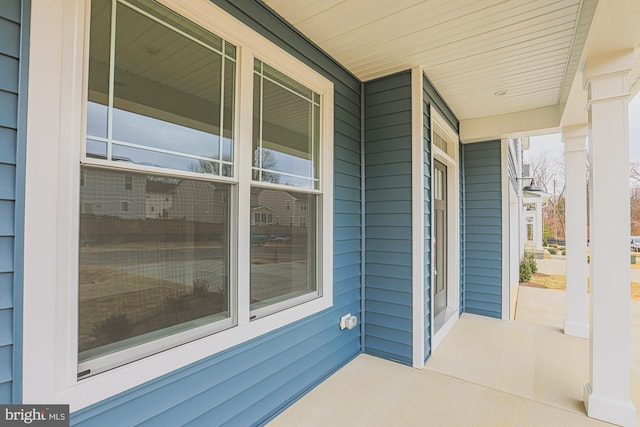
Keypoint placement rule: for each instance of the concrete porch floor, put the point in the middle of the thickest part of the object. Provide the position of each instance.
(486, 372)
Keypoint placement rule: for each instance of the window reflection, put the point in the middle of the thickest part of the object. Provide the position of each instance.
(286, 130)
(154, 258)
(172, 102)
(283, 246)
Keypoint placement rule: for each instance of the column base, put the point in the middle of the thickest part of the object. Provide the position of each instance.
(576, 329)
(612, 410)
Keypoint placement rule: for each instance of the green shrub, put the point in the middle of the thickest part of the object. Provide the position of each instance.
(545, 242)
(553, 245)
(525, 270)
(553, 251)
(564, 252)
(533, 265)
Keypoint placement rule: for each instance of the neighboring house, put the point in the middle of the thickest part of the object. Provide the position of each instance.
(159, 197)
(105, 194)
(391, 158)
(533, 205)
(526, 203)
(283, 208)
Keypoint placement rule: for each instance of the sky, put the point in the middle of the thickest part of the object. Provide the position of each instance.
(552, 146)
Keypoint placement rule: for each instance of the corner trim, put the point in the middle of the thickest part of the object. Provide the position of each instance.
(363, 223)
(417, 216)
(21, 159)
(504, 195)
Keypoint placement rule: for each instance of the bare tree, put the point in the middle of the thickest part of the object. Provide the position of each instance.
(548, 174)
(265, 161)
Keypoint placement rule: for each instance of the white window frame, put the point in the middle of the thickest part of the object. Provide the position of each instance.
(55, 137)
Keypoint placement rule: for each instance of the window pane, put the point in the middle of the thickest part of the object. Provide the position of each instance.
(97, 107)
(440, 142)
(283, 256)
(286, 130)
(173, 87)
(180, 24)
(154, 258)
(172, 161)
(96, 149)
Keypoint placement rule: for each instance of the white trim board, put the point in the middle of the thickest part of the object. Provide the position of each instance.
(417, 216)
(504, 180)
(453, 226)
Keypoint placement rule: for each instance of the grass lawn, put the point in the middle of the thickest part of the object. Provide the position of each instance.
(559, 282)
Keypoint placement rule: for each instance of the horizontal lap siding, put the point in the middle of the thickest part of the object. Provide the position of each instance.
(10, 28)
(463, 237)
(432, 99)
(513, 174)
(251, 383)
(483, 226)
(388, 301)
(426, 128)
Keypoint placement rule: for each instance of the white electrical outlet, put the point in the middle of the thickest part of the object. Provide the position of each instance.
(348, 321)
(352, 322)
(343, 321)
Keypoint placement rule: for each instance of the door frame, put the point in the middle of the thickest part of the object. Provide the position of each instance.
(451, 161)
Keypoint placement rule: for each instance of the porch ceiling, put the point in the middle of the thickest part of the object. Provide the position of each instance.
(472, 50)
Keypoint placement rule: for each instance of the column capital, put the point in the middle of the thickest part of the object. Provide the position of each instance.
(608, 65)
(606, 76)
(575, 137)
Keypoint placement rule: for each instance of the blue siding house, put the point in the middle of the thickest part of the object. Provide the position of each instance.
(206, 208)
(251, 382)
(13, 63)
(483, 220)
(388, 247)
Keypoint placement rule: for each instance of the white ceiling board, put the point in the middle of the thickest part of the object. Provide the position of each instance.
(469, 49)
(615, 27)
(299, 11)
(348, 16)
(477, 28)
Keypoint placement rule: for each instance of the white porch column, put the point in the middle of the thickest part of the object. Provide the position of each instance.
(538, 227)
(607, 396)
(575, 164)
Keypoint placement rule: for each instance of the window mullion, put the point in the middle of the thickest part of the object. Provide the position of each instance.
(244, 150)
(222, 79)
(112, 72)
(260, 152)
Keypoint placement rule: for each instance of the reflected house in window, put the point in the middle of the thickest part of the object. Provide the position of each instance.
(159, 197)
(267, 204)
(104, 194)
(261, 215)
(202, 203)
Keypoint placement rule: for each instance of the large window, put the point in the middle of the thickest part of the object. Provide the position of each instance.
(159, 185)
(286, 130)
(181, 173)
(154, 259)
